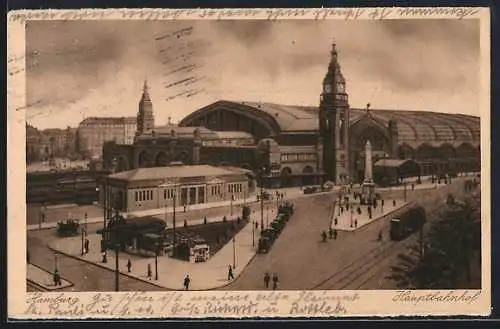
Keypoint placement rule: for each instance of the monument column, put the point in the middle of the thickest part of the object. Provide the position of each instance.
(368, 163)
(368, 187)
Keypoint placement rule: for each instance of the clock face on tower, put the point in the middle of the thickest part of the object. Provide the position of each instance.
(328, 88)
(341, 87)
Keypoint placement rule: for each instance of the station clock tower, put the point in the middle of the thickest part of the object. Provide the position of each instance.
(334, 123)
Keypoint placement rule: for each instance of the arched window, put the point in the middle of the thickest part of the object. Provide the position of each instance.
(162, 159)
(143, 159)
(286, 177)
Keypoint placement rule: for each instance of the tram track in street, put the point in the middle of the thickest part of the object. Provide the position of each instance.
(349, 276)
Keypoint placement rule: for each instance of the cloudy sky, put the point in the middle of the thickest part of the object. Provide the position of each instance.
(97, 68)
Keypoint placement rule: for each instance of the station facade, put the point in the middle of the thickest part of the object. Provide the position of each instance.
(286, 145)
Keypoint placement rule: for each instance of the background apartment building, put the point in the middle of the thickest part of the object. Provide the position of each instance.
(93, 132)
(53, 142)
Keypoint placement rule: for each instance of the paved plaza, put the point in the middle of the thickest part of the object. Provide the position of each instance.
(171, 272)
(350, 220)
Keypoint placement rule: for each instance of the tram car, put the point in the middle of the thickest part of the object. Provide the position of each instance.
(407, 223)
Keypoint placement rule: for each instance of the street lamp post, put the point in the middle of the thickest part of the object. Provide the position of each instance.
(351, 214)
(234, 253)
(405, 190)
(253, 234)
(421, 242)
(83, 240)
(40, 219)
(157, 247)
(231, 205)
(173, 222)
(55, 263)
(117, 267)
(262, 200)
(267, 216)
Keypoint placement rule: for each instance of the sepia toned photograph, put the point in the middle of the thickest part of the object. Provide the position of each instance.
(254, 155)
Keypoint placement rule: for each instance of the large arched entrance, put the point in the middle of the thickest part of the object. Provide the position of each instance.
(307, 176)
(469, 158)
(406, 152)
(162, 159)
(182, 157)
(286, 177)
(425, 152)
(143, 159)
(380, 146)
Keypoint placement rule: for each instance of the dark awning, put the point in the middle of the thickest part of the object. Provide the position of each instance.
(392, 163)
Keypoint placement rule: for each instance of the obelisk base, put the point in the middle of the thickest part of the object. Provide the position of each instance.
(367, 192)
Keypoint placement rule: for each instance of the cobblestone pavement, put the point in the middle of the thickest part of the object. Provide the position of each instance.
(302, 261)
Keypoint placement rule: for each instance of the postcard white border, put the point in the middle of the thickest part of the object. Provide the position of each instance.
(370, 303)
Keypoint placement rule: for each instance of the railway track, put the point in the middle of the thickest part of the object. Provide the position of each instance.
(355, 274)
(346, 276)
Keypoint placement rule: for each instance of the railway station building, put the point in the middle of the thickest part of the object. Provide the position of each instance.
(288, 145)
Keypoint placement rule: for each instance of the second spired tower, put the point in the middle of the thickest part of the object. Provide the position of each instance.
(333, 122)
(145, 116)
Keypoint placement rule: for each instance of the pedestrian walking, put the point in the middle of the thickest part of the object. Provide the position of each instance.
(129, 265)
(230, 275)
(267, 278)
(275, 281)
(150, 273)
(187, 282)
(28, 257)
(324, 236)
(335, 221)
(355, 223)
(394, 203)
(57, 279)
(380, 236)
(86, 245)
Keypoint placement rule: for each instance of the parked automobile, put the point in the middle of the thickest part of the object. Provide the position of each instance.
(310, 190)
(327, 186)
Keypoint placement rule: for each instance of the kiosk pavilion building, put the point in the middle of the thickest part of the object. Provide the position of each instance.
(286, 145)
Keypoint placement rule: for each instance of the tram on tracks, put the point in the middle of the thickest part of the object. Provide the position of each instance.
(407, 223)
